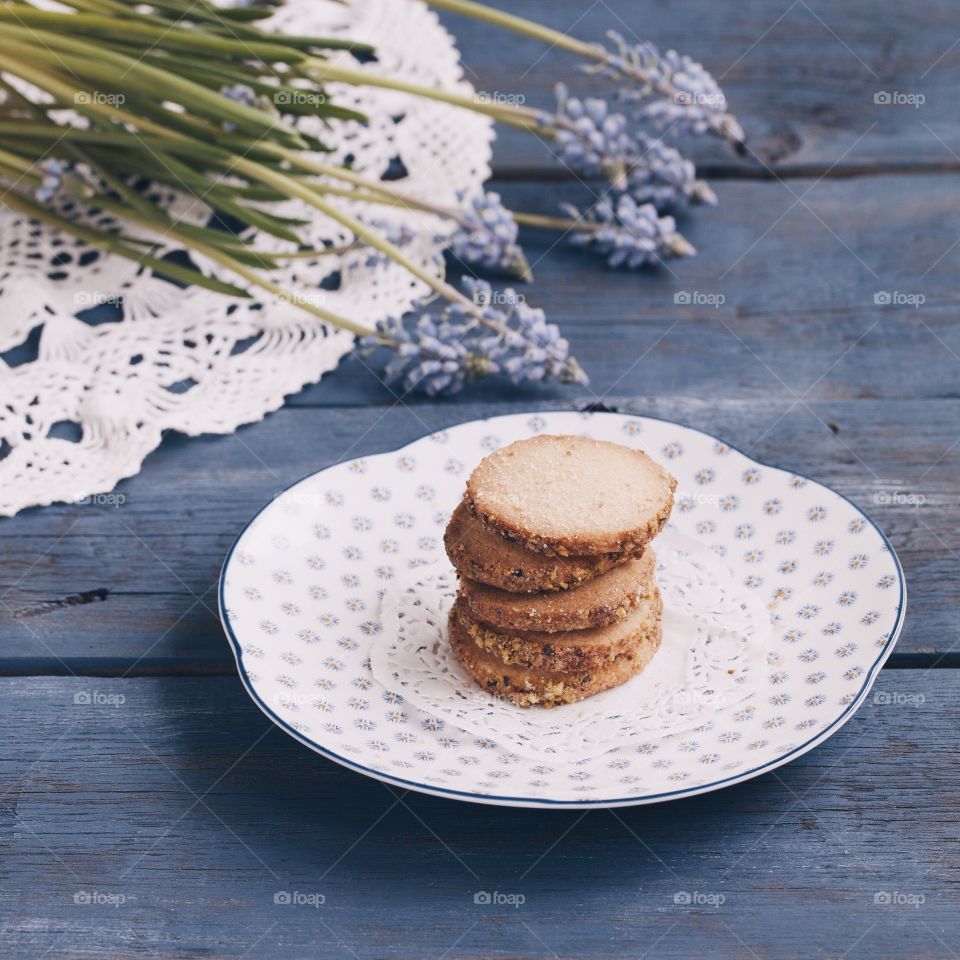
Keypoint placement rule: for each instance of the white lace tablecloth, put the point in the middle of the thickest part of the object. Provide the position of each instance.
(195, 361)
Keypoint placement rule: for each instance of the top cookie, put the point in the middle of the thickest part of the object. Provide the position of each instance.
(572, 496)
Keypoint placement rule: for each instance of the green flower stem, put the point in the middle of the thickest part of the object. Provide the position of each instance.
(525, 118)
(527, 28)
(161, 84)
(296, 188)
(548, 223)
(112, 244)
(174, 37)
(387, 194)
(192, 238)
(20, 164)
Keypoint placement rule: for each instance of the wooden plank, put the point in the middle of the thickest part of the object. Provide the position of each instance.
(801, 77)
(179, 813)
(156, 558)
(798, 282)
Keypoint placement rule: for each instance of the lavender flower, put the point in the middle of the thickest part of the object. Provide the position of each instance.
(594, 141)
(590, 138)
(240, 93)
(495, 333)
(53, 174)
(662, 176)
(399, 234)
(488, 236)
(629, 234)
(692, 100)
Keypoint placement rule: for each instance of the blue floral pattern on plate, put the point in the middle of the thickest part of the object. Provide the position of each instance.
(300, 594)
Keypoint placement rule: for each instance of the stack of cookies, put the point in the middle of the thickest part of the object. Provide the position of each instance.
(558, 598)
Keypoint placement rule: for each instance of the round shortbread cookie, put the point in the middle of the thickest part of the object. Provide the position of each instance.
(549, 688)
(483, 555)
(570, 650)
(572, 496)
(604, 599)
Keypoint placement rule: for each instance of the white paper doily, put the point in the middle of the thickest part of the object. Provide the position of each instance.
(195, 361)
(715, 641)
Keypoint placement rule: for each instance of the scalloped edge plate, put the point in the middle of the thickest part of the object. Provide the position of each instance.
(545, 801)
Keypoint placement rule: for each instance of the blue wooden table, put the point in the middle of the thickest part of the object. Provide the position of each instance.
(149, 810)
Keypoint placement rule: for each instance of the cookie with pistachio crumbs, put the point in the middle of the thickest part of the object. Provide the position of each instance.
(572, 496)
(606, 599)
(481, 554)
(570, 650)
(550, 688)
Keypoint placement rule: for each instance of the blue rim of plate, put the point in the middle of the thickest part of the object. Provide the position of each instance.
(542, 802)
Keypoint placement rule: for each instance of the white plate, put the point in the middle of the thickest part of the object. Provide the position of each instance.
(300, 593)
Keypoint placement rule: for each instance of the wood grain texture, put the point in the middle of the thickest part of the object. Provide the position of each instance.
(801, 77)
(148, 568)
(183, 800)
(798, 267)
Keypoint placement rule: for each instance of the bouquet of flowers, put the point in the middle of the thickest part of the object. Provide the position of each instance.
(199, 98)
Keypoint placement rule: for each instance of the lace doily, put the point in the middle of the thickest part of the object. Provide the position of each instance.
(715, 639)
(195, 361)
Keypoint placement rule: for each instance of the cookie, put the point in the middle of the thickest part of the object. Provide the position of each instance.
(605, 599)
(550, 688)
(567, 650)
(480, 554)
(572, 496)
